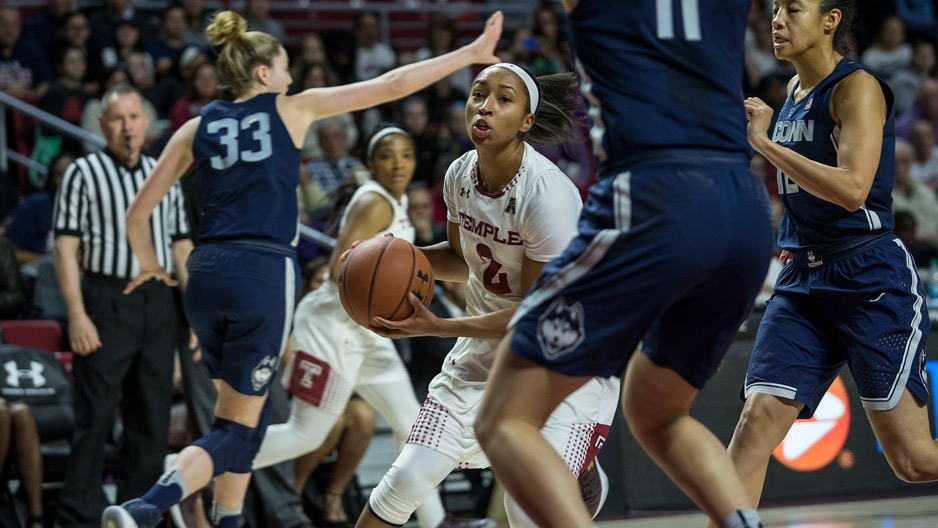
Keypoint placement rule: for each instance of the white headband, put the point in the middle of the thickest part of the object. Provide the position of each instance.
(381, 135)
(533, 92)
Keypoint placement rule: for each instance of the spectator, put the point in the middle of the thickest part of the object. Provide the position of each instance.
(923, 252)
(415, 120)
(441, 38)
(526, 51)
(341, 54)
(319, 76)
(165, 50)
(11, 282)
(257, 13)
(201, 89)
(914, 196)
(906, 82)
(553, 46)
(67, 95)
(126, 41)
(196, 16)
(454, 138)
(18, 430)
(24, 71)
(890, 51)
(93, 109)
(105, 20)
(75, 31)
(372, 57)
(918, 17)
(926, 107)
(336, 164)
(760, 56)
(29, 417)
(30, 230)
(163, 93)
(420, 209)
(310, 51)
(440, 97)
(925, 154)
(43, 27)
(123, 344)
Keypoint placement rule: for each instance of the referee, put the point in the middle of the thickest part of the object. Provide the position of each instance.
(124, 344)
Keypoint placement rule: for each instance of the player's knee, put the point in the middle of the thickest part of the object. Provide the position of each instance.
(309, 433)
(227, 444)
(20, 413)
(913, 470)
(360, 418)
(762, 424)
(399, 494)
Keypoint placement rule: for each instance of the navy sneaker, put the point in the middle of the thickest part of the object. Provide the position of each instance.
(136, 513)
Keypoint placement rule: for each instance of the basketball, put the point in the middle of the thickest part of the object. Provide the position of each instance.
(377, 276)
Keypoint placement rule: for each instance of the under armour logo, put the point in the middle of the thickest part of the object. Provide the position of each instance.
(14, 374)
(464, 192)
(511, 206)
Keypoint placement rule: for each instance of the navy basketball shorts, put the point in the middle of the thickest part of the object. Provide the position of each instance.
(240, 302)
(669, 254)
(867, 311)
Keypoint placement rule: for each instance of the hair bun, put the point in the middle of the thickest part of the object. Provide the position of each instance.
(226, 27)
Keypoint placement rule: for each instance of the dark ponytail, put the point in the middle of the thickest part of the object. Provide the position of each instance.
(558, 111)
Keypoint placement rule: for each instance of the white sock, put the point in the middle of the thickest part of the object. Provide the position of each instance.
(743, 519)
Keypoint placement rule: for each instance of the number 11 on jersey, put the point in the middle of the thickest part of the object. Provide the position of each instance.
(690, 14)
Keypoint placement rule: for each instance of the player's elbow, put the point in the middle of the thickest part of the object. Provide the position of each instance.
(853, 199)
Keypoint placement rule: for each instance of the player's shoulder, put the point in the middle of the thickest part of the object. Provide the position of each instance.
(463, 165)
(541, 172)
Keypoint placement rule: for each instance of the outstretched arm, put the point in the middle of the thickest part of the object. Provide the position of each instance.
(319, 103)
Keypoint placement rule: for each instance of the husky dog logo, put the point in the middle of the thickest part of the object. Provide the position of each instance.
(560, 328)
(263, 372)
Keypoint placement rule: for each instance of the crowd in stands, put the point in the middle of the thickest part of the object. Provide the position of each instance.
(64, 56)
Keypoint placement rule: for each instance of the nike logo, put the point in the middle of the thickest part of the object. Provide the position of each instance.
(878, 297)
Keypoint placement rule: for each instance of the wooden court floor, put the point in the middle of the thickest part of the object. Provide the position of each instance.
(914, 512)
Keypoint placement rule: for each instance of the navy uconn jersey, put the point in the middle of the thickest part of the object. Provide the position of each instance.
(250, 190)
(807, 128)
(661, 74)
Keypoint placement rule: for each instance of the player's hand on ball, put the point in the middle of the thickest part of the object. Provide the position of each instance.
(354, 245)
(422, 323)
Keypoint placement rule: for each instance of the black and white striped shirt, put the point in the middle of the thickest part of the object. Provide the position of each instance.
(92, 203)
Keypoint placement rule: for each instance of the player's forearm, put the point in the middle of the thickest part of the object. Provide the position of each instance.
(844, 187)
(141, 240)
(488, 326)
(446, 264)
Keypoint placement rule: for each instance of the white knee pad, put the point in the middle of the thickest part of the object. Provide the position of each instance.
(411, 478)
(305, 431)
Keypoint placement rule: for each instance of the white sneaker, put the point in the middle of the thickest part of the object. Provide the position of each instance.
(175, 512)
(117, 517)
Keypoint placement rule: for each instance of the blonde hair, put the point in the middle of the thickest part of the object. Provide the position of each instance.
(242, 50)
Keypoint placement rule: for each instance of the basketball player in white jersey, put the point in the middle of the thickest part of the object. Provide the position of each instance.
(509, 211)
(333, 356)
